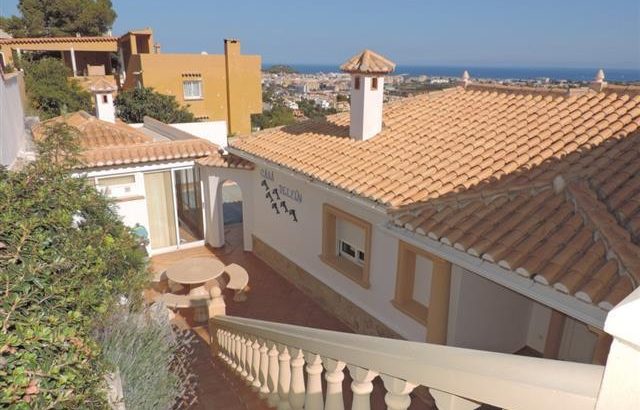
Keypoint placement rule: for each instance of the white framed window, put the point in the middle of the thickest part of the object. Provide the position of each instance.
(117, 186)
(346, 250)
(192, 89)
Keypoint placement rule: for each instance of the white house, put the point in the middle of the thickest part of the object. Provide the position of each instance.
(481, 216)
(149, 170)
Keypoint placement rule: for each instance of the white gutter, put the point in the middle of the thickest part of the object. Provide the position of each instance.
(340, 192)
(581, 311)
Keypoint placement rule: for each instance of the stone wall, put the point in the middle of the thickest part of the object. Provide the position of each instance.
(349, 313)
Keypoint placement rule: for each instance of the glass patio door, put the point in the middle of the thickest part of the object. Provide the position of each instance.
(189, 205)
(161, 212)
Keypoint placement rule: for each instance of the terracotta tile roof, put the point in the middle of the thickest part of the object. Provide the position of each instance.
(95, 133)
(581, 238)
(148, 152)
(106, 144)
(368, 62)
(102, 85)
(225, 161)
(447, 142)
(44, 40)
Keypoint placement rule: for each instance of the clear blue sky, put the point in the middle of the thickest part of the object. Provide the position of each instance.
(543, 33)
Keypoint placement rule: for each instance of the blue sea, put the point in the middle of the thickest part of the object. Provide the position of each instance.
(501, 73)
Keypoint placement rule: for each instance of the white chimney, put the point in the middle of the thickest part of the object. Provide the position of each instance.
(598, 84)
(465, 79)
(367, 71)
(102, 92)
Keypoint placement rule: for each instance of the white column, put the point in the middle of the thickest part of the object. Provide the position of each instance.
(313, 399)
(214, 234)
(255, 366)
(620, 387)
(272, 376)
(361, 386)
(73, 62)
(284, 378)
(334, 375)
(297, 389)
(397, 397)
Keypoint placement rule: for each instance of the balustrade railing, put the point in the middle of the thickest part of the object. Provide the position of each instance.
(274, 358)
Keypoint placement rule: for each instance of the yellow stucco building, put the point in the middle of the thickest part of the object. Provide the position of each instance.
(223, 87)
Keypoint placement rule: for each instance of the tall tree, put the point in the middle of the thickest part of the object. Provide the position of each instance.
(51, 92)
(53, 18)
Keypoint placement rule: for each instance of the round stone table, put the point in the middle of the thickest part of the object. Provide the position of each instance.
(195, 272)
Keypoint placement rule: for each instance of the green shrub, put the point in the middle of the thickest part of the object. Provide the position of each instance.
(65, 257)
(134, 104)
(153, 359)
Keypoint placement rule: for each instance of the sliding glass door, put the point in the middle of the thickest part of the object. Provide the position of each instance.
(189, 205)
(160, 209)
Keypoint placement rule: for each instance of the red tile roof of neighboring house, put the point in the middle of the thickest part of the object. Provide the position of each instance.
(44, 40)
(107, 144)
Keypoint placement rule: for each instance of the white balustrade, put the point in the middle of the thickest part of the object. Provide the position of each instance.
(271, 357)
(264, 369)
(297, 388)
(249, 360)
(284, 377)
(272, 376)
(397, 397)
(255, 366)
(334, 376)
(313, 399)
(361, 386)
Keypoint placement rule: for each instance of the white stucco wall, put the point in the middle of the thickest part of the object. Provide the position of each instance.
(12, 130)
(486, 316)
(214, 131)
(301, 242)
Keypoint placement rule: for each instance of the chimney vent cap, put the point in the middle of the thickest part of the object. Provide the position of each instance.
(368, 62)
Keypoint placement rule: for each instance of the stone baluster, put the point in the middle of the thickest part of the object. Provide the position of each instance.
(264, 369)
(255, 366)
(220, 342)
(334, 376)
(361, 387)
(447, 401)
(227, 347)
(243, 357)
(284, 377)
(272, 376)
(238, 355)
(313, 399)
(249, 360)
(232, 351)
(297, 389)
(397, 397)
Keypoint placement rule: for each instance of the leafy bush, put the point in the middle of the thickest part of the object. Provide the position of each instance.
(64, 258)
(153, 358)
(278, 115)
(134, 104)
(51, 93)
